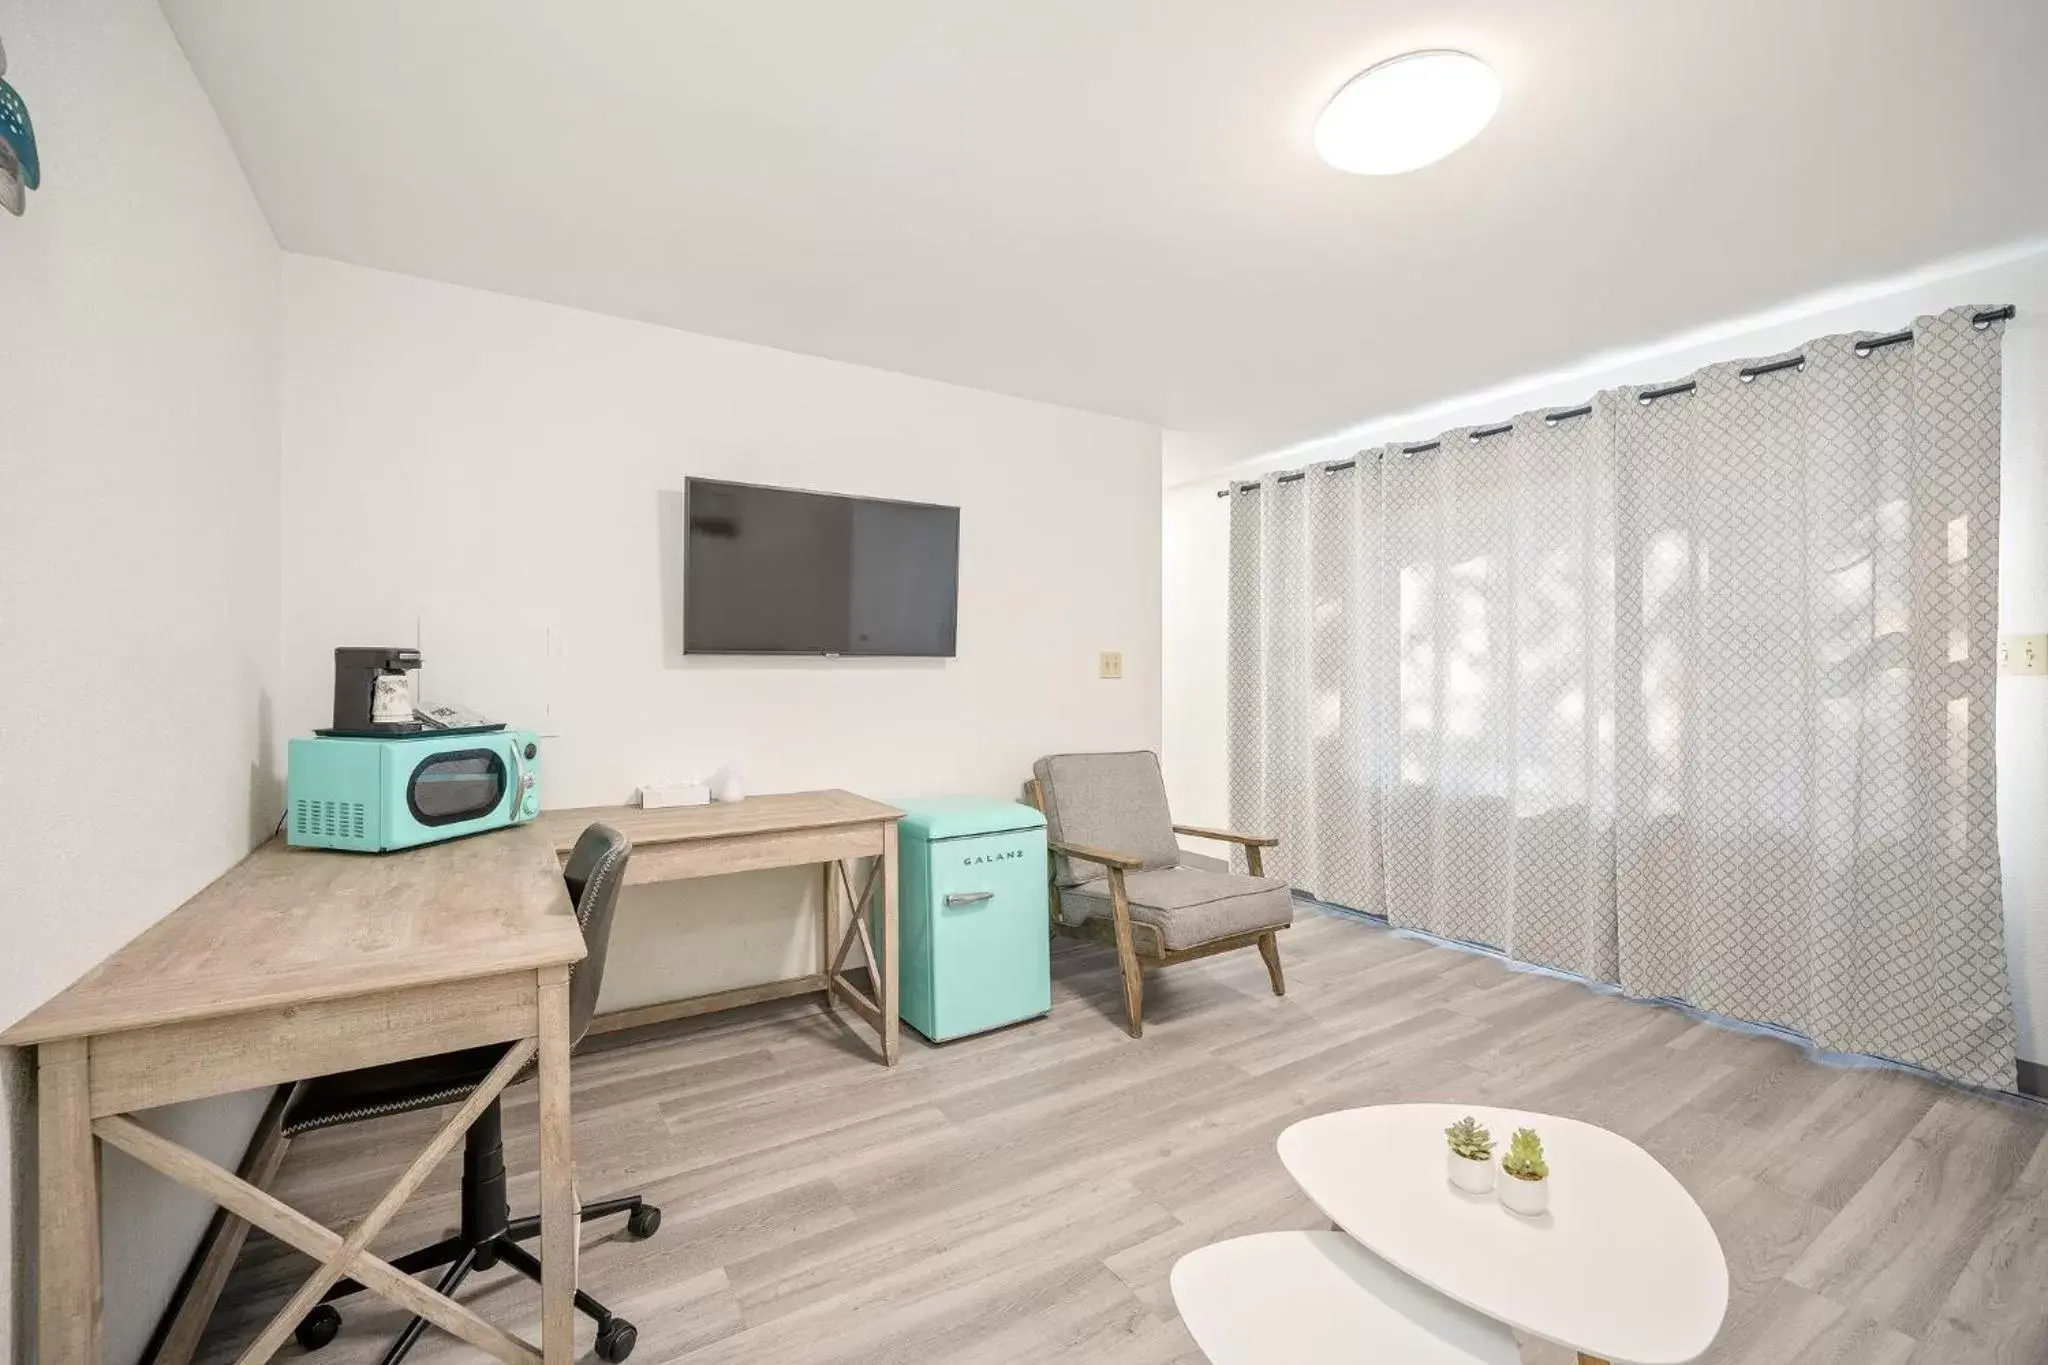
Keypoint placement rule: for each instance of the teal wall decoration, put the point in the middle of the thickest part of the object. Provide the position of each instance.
(21, 170)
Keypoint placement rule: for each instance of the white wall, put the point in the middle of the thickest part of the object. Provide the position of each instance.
(484, 474)
(138, 566)
(1197, 525)
(1195, 629)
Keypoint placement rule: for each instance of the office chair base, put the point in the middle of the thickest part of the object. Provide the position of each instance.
(616, 1342)
(643, 1220)
(318, 1327)
(616, 1337)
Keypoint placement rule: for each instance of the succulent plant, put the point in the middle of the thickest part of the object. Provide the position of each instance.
(1524, 1160)
(1469, 1140)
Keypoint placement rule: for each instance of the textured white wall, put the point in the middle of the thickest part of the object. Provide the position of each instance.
(484, 474)
(138, 565)
(1195, 627)
(1197, 525)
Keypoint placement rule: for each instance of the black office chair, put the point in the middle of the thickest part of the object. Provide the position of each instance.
(596, 870)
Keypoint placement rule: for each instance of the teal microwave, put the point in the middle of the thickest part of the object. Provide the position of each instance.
(372, 794)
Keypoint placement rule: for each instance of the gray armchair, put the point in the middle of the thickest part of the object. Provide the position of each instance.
(1118, 878)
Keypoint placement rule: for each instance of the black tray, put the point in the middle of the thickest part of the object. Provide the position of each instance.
(415, 730)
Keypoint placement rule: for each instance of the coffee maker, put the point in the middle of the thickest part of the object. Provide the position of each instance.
(373, 691)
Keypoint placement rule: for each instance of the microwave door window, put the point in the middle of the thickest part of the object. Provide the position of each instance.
(450, 788)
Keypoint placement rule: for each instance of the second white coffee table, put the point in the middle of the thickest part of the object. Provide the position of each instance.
(1623, 1267)
(1319, 1298)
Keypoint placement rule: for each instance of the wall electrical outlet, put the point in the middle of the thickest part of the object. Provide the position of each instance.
(1112, 664)
(2021, 655)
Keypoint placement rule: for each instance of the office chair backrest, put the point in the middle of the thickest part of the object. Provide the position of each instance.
(596, 871)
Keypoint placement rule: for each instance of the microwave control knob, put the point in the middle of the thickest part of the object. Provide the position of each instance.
(531, 805)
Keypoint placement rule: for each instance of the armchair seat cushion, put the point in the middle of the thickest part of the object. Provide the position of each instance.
(1189, 906)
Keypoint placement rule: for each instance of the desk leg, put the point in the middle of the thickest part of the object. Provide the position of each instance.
(828, 929)
(68, 1325)
(891, 1025)
(559, 1236)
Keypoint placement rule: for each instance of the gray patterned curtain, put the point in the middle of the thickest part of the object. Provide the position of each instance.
(1694, 695)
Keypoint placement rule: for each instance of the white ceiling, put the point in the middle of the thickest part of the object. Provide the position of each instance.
(1113, 204)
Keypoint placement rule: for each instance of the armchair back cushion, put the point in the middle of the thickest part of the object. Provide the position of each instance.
(1115, 802)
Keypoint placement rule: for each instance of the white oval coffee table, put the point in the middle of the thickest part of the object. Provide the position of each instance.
(1319, 1298)
(1623, 1267)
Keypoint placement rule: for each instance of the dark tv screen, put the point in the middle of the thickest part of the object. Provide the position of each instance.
(778, 571)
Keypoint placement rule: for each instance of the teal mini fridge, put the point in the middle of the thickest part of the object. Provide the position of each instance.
(971, 916)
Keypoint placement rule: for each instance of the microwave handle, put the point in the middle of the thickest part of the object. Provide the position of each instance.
(522, 780)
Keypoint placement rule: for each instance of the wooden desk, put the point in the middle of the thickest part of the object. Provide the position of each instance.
(786, 830)
(293, 964)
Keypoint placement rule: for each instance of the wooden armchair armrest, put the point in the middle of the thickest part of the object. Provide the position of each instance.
(1088, 853)
(1248, 840)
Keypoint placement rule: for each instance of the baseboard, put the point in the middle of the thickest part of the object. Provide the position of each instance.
(177, 1334)
(2034, 1079)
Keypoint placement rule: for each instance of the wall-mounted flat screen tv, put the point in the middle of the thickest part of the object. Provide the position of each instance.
(778, 571)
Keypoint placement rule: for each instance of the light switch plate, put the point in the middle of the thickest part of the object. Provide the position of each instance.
(2023, 655)
(1112, 664)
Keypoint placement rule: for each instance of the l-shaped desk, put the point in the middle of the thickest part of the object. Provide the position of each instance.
(828, 828)
(298, 963)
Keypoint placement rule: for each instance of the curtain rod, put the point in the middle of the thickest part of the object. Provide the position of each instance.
(1648, 396)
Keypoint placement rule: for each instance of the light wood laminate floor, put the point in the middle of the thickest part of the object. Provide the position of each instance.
(1022, 1196)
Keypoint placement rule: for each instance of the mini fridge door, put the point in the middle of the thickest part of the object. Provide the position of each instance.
(991, 940)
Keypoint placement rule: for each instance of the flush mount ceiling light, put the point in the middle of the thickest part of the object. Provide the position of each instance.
(1407, 112)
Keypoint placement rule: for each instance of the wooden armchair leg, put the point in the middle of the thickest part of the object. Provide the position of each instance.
(1269, 949)
(1127, 956)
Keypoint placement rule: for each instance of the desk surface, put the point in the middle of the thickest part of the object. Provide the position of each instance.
(771, 814)
(289, 926)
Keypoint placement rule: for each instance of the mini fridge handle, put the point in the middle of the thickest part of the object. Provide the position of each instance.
(969, 897)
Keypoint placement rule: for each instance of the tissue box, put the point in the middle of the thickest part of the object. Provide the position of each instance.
(662, 794)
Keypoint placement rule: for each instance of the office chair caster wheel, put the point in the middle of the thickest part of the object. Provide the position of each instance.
(617, 1340)
(643, 1222)
(318, 1327)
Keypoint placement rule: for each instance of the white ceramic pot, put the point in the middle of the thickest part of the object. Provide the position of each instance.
(1473, 1177)
(1526, 1197)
